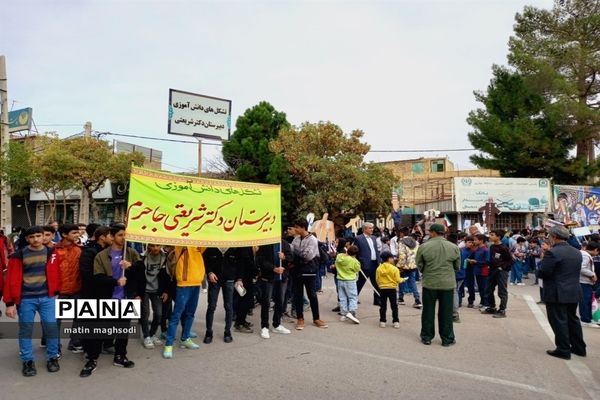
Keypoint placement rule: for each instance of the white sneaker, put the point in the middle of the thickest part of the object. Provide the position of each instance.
(352, 318)
(282, 329)
(148, 343)
(397, 325)
(590, 325)
(264, 333)
(520, 284)
(512, 284)
(343, 318)
(382, 324)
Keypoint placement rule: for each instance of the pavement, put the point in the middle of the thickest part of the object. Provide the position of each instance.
(492, 359)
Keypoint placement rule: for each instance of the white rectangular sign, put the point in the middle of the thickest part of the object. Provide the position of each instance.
(521, 195)
(192, 114)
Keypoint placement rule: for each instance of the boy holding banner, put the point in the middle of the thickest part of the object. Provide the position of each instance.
(189, 274)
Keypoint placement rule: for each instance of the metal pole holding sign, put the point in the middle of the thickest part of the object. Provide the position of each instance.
(199, 157)
(5, 200)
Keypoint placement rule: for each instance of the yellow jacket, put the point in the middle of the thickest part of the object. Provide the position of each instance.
(188, 265)
(388, 276)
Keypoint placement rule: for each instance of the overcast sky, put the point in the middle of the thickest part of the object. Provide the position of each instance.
(402, 71)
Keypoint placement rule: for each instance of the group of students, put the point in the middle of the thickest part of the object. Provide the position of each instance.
(168, 282)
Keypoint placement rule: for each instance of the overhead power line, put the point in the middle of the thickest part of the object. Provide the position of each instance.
(220, 144)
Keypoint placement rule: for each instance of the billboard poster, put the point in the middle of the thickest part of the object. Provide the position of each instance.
(514, 195)
(577, 205)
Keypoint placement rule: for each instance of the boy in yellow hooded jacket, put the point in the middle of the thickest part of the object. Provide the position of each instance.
(388, 278)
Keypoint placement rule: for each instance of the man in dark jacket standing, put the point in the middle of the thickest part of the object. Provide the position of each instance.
(560, 271)
(500, 265)
(369, 258)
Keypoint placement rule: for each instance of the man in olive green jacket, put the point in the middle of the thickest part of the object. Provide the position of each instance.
(438, 260)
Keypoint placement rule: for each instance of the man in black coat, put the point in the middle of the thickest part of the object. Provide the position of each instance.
(560, 271)
(369, 258)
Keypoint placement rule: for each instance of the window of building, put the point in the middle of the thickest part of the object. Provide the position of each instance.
(418, 167)
(437, 166)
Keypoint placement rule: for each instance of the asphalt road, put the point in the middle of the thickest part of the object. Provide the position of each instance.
(493, 359)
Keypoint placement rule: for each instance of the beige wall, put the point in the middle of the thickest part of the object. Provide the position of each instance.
(417, 182)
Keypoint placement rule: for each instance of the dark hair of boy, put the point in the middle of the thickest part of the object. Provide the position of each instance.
(352, 250)
(481, 237)
(91, 228)
(32, 230)
(386, 256)
(521, 239)
(66, 228)
(116, 228)
(452, 238)
(301, 223)
(591, 246)
(499, 232)
(48, 228)
(469, 238)
(101, 231)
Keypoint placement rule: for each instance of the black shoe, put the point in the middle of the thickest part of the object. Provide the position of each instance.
(90, 366)
(52, 365)
(470, 306)
(448, 344)
(337, 309)
(207, 339)
(227, 338)
(500, 314)
(243, 328)
(29, 368)
(426, 342)
(556, 354)
(577, 353)
(489, 310)
(122, 361)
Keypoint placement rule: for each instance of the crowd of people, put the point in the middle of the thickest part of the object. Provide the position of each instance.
(70, 261)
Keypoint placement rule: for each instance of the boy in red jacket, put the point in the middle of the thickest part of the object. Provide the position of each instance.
(32, 282)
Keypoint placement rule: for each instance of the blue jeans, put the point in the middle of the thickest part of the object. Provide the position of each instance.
(213, 296)
(516, 273)
(585, 305)
(186, 301)
(410, 285)
(348, 293)
(45, 307)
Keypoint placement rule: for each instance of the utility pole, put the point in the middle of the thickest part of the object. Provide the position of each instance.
(5, 200)
(84, 204)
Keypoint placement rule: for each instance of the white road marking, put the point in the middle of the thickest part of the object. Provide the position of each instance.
(462, 374)
(581, 372)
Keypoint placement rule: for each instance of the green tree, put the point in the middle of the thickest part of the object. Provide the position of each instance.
(520, 134)
(92, 161)
(16, 170)
(558, 51)
(52, 164)
(248, 155)
(330, 169)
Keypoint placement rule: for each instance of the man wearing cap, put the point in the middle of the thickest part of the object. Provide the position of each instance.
(438, 260)
(560, 270)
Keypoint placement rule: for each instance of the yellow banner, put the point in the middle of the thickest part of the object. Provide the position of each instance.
(184, 210)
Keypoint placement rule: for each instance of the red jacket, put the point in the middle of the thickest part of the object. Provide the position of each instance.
(14, 277)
